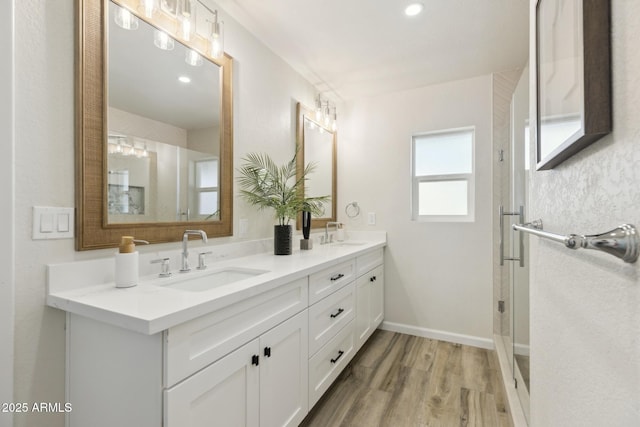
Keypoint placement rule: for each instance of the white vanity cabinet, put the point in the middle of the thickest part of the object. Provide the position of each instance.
(263, 383)
(369, 295)
(245, 364)
(261, 357)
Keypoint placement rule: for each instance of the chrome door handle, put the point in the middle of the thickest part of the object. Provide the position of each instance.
(502, 214)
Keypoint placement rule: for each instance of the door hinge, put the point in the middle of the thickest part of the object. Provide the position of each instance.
(501, 306)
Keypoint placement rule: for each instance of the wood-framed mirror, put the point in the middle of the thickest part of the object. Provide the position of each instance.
(317, 145)
(124, 153)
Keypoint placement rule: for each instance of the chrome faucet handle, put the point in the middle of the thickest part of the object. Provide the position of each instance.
(201, 260)
(164, 267)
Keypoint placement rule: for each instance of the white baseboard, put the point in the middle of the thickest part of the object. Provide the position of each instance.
(521, 349)
(438, 335)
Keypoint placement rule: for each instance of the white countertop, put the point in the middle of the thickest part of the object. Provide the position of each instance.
(150, 308)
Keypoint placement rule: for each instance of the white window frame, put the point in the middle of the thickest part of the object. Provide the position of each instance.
(468, 177)
(199, 190)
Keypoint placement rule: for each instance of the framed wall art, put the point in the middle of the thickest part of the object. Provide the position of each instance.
(573, 73)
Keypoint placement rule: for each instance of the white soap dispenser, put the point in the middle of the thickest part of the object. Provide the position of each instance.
(127, 263)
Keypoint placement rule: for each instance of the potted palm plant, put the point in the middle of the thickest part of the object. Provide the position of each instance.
(267, 185)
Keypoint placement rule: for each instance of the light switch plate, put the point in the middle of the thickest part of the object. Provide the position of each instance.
(371, 218)
(243, 227)
(53, 223)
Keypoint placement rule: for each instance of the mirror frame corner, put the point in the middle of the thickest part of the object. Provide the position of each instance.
(91, 226)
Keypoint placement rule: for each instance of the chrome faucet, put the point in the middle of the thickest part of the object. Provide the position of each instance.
(326, 230)
(185, 252)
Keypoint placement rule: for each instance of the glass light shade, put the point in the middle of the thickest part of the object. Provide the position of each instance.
(125, 19)
(149, 7)
(186, 28)
(318, 109)
(193, 58)
(162, 40)
(186, 16)
(217, 38)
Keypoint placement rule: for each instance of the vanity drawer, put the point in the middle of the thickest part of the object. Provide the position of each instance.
(327, 363)
(369, 260)
(330, 315)
(325, 282)
(193, 345)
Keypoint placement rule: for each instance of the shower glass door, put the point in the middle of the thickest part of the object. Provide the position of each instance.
(518, 273)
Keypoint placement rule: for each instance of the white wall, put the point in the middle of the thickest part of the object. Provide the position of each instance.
(6, 213)
(265, 94)
(585, 306)
(438, 275)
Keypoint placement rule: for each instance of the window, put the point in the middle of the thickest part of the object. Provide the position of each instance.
(443, 175)
(207, 186)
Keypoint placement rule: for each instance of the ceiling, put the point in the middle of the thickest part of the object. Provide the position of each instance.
(357, 48)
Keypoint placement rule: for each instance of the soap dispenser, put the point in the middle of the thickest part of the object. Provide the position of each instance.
(127, 263)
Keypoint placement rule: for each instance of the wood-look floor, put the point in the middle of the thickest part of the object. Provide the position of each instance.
(399, 380)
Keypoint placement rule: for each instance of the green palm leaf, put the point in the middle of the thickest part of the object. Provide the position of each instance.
(267, 185)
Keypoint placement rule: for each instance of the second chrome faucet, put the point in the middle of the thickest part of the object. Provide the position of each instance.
(185, 252)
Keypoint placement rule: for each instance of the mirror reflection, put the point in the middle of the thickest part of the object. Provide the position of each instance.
(163, 151)
(317, 145)
(560, 59)
(318, 150)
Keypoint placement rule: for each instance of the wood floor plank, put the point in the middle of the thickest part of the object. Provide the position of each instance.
(398, 380)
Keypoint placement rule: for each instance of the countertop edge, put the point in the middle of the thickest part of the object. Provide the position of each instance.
(67, 301)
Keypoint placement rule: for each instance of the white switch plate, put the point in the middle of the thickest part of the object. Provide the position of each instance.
(243, 227)
(371, 218)
(53, 223)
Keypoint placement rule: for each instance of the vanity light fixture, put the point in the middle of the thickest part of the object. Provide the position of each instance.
(334, 124)
(324, 116)
(149, 6)
(217, 36)
(162, 40)
(193, 58)
(413, 9)
(318, 108)
(125, 19)
(186, 16)
(327, 115)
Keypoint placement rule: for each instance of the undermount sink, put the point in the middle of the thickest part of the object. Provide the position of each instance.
(348, 243)
(212, 279)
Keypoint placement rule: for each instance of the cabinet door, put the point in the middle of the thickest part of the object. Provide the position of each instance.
(369, 304)
(284, 373)
(377, 297)
(224, 394)
(363, 310)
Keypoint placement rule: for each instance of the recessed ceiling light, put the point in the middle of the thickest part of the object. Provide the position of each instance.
(184, 79)
(413, 9)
